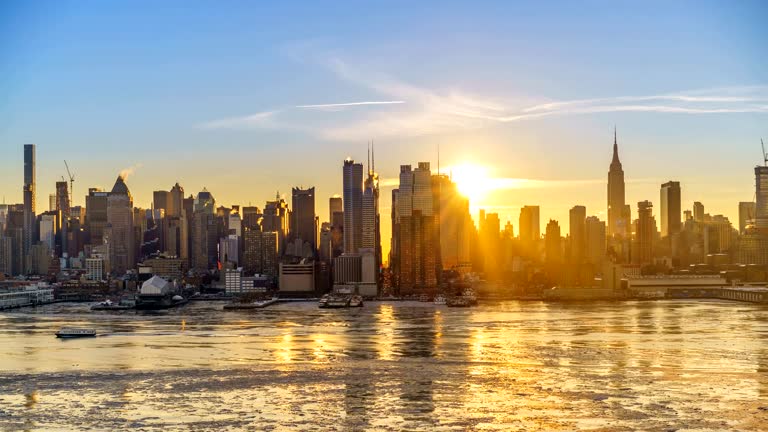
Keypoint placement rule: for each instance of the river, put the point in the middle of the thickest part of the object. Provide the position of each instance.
(607, 366)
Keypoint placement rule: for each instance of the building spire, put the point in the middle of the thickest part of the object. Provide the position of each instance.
(373, 158)
(615, 148)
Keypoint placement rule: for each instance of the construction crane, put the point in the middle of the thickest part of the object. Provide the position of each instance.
(765, 155)
(71, 185)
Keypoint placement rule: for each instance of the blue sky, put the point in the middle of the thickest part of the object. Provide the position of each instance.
(214, 94)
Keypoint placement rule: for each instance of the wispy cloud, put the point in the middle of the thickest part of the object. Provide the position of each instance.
(258, 120)
(414, 110)
(350, 104)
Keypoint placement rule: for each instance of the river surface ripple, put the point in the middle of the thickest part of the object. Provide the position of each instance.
(608, 366)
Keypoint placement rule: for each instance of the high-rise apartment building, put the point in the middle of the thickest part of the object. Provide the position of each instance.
(28, 233)
(260, 251)
(63, 207)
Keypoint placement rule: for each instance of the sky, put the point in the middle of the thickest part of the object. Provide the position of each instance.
(249, 99)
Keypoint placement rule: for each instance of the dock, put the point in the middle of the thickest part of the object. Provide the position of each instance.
(252, 305)
(745, 294)
(26, 297)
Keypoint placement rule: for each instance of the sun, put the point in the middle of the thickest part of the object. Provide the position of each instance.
(473, 181)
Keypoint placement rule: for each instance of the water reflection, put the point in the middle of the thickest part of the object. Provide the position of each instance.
(506, 366)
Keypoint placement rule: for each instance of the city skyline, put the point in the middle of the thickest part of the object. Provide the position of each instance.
(499, 215)
(538, 116)
(474, 176)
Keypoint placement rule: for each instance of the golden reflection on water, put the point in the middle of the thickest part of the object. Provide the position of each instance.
(285, 348)
(438, 323)
(385, 341)
(319, 349)
(30, 399)
(513, 366)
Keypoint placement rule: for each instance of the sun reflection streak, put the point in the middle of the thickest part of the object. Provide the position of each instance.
(319, 349)
(284, 353)
(386, 332)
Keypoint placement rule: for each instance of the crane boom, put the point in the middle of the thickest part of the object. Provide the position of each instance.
(765, 155)
(71, 184)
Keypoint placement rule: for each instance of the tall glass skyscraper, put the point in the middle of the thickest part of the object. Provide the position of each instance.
(353, 206)
(29, 198)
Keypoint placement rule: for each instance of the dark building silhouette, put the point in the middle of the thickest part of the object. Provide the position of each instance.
(303, 219)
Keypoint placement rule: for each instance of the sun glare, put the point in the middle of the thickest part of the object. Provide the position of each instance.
(472, 180)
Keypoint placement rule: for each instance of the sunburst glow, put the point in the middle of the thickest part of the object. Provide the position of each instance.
(473, 180)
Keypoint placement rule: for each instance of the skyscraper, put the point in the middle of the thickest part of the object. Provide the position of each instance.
(276, 218)
(645, 232)
(670, 208)
(353, 206)
(746, 215)
(29, 199)
(552, 243)
(698, 211)
(303, 216)
(63, 207)
(96, 215)
(578, 220)
(617, 224)
(119, 229)
(761, 198)
(175, 202)
(160, 200)
(529, 227)
(370, 244)
(205, 236)
(454, 224)
(595, 240)
(335, 205)
(417, 240)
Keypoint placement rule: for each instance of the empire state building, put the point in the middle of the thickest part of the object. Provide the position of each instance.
(618, 217)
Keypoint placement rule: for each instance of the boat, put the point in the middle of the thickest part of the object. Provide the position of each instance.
(356, 301)
(459, 301)
(71, 332)
(336, 301)
(440, 300)
(109, 305)
(470, 295)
